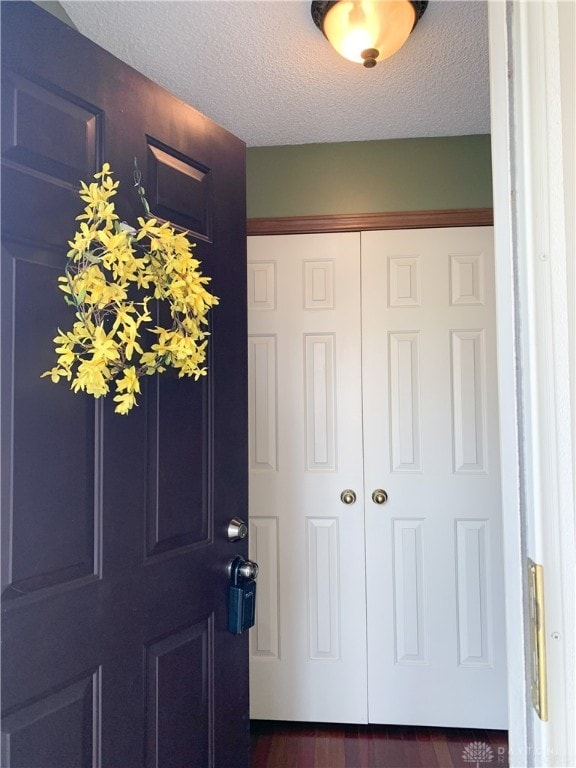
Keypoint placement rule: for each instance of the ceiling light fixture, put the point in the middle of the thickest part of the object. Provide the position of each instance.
(367, 31)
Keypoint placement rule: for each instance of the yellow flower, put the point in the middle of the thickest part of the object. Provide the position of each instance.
(105, 348)
(129, 382)
(116, 241)
(105, 213)
(151, 363)
(147, 227)
(127, 387)
(128, 336)
(56, 374)
(104, 172)
(124, 316)
(94, 194)
(82, 240)
(66, 357)
(125, 403)
(92, 377)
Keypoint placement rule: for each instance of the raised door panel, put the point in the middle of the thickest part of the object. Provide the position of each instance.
(178, 506)
(179, 189)
(180, 696)
(59, 729)
(52, 511)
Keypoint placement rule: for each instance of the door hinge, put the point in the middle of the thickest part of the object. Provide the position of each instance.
(537, 639)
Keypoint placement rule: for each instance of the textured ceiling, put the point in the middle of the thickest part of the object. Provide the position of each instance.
(265, 72)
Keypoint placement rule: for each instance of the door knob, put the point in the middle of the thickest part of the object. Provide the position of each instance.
(237, 529)
(248, 570)
(379, 496)
(348, 496)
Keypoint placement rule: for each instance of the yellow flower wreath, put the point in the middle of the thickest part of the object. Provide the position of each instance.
(107, 262)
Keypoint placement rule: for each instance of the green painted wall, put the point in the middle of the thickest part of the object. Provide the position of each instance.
(369, 176)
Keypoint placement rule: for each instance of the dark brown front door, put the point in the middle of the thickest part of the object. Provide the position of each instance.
(115, 644)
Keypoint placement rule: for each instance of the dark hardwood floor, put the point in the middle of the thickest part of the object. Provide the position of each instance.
(314, 745)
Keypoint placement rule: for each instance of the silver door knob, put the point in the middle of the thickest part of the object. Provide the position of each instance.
(348, 496)
(379, 496)
(248, 569)
(237, 529)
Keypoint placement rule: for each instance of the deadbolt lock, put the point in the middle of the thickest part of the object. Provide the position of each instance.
(237, 529)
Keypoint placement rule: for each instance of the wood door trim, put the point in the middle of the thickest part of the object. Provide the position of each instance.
(356, 222)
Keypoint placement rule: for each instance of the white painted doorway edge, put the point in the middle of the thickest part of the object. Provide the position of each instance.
(534, 340)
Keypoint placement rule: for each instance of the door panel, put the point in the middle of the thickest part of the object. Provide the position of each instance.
(115, 641)
(171, 494)
(433, 551)
(60, 730)
(53, 542)
(420, 422)
(178, 668)
(308, 646)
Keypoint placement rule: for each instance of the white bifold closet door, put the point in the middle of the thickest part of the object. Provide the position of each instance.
(308, 649)
(372, 367)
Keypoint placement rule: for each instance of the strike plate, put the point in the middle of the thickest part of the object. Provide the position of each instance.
(537, 640)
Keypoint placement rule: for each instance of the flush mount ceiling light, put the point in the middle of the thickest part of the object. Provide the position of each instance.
(367, 31)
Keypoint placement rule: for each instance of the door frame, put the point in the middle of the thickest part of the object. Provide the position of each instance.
(534, 339)
(528, 160)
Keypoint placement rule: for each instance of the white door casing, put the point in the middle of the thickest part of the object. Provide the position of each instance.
(533, 169)
(435, 627)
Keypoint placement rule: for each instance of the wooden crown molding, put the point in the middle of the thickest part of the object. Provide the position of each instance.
(356, 222)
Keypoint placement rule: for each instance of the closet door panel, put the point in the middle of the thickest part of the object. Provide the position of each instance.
(308, 649)
(434, 549)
